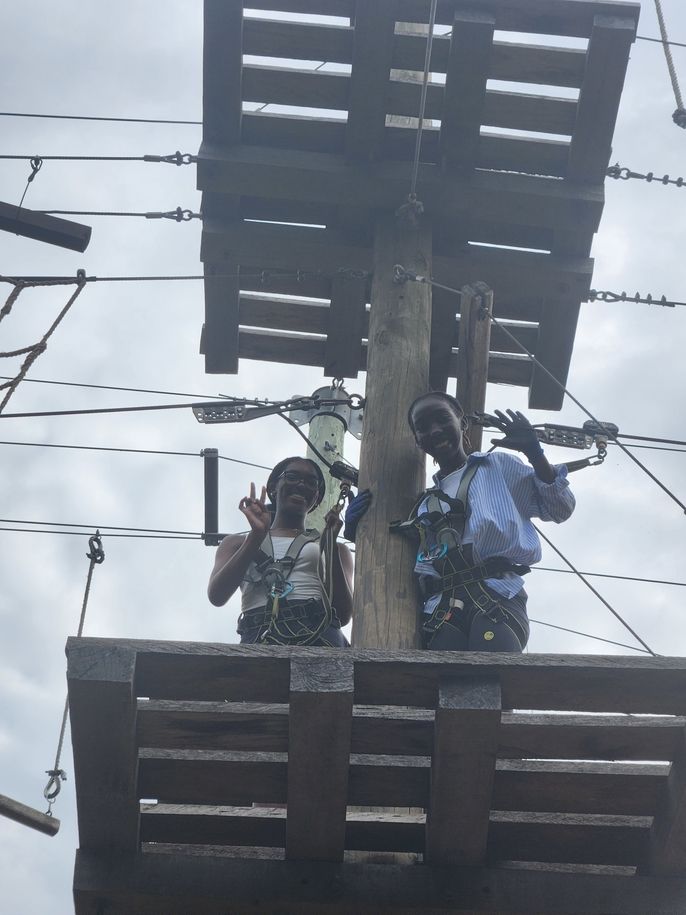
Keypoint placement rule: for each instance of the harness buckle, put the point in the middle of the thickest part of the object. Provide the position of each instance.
(433, 553)
(280, 589)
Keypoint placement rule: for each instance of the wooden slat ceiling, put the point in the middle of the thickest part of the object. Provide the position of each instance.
(309, 132)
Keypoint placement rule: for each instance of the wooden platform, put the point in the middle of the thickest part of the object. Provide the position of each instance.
(221, 778)
(301, 153)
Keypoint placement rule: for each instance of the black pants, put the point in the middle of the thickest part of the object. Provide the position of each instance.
(295, 626)
(505, 628)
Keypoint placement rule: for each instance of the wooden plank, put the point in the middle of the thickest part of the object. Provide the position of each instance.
(339, 8)
(568, 838)
(463, 767)
(316, 134)
(518, 63)
(601, 93)
(176, 884)
(49, 229)
(214, 825)
(321, 704)
(299, 88)
(222, 60)
(514, 110)
(371, 67)
(399, 782)
(212, 777)
(668, 835)
(298, 40)
(465, 88)
(347, 319)
(284, 314)
(103, 714)
(444, 307)
(556, 333)
(575, 787)
(318, 177)
(593, 683)
(573, 18)
(220, 330)
(476, 310)
(608, 737)
(268, 346)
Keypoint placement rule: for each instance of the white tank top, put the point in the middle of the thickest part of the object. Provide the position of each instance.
(304, 577)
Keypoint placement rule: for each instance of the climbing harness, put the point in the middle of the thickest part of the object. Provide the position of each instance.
(96, 554)
(439, 532)
(282, 621)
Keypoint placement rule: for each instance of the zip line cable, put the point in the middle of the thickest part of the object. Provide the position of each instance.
(134, 451)
(29, 530)
(177, 158)
(593, 590)
(587, 635)
(85, 117)
(104, 527)
(679, 116)
(403, 275)
(110, 387)
(647, 581)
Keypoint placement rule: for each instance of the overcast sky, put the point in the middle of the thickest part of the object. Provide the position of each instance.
(145, 60)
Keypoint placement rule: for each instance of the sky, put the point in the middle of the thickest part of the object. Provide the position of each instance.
(145, 60)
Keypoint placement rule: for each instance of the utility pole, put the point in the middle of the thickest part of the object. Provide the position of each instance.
(391, 465)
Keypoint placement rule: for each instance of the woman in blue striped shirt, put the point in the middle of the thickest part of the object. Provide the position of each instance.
(472, 556)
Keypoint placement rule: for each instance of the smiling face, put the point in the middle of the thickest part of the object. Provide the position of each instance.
(437, 427)
(297, 488)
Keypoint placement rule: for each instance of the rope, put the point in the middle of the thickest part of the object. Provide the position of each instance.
(57, 775)
(679, 116)
(597, 594)
(40, 347)
(412, 196)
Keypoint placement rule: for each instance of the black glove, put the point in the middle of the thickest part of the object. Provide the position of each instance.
(520, 435)
(357, 507)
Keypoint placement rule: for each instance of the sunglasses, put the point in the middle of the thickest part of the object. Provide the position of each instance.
(307, 479)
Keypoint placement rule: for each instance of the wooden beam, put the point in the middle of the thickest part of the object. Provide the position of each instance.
(102, 711)
(556, 333)
(601, 93)
(476, 309)
(371, 68)
(573, 18)
(444, 307)
(28, 816)
(592, 683)
(346, 327)
(465, 88)
(49, 229)
(175, 884)
(220, 331)
(298, 40)
(668, 835)
(222, 63)
(318, 177)
(463, 767)
(385, 614)
(321, 704)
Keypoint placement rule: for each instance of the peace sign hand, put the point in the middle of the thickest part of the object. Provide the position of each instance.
(256, 511)
(520, 435)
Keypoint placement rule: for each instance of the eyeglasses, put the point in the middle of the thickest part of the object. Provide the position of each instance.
(307, 479)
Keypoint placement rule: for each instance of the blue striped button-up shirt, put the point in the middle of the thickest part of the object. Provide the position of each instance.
(504, 495)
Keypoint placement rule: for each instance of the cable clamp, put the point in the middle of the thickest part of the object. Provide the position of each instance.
(178, 214)
(401, 275)
(177, 158)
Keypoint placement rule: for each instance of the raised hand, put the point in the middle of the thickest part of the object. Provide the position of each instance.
(519, 434)
(256, 511)
(357, 507)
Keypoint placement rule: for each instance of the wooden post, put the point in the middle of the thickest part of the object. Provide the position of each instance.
(27, 816)
(391, 465)
(472, 356)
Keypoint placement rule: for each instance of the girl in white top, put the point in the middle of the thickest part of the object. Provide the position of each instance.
(295, 486)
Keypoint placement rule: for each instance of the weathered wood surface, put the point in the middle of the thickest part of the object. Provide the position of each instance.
(476, 310)
(254, 673)
(102, 710)
(393, 730)
(176, 884)
(668, 835)
(463, 771)
(321, 704)
(391, 466)
(222, 97)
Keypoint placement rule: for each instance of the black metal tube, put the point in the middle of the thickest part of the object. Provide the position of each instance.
(211, 468)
